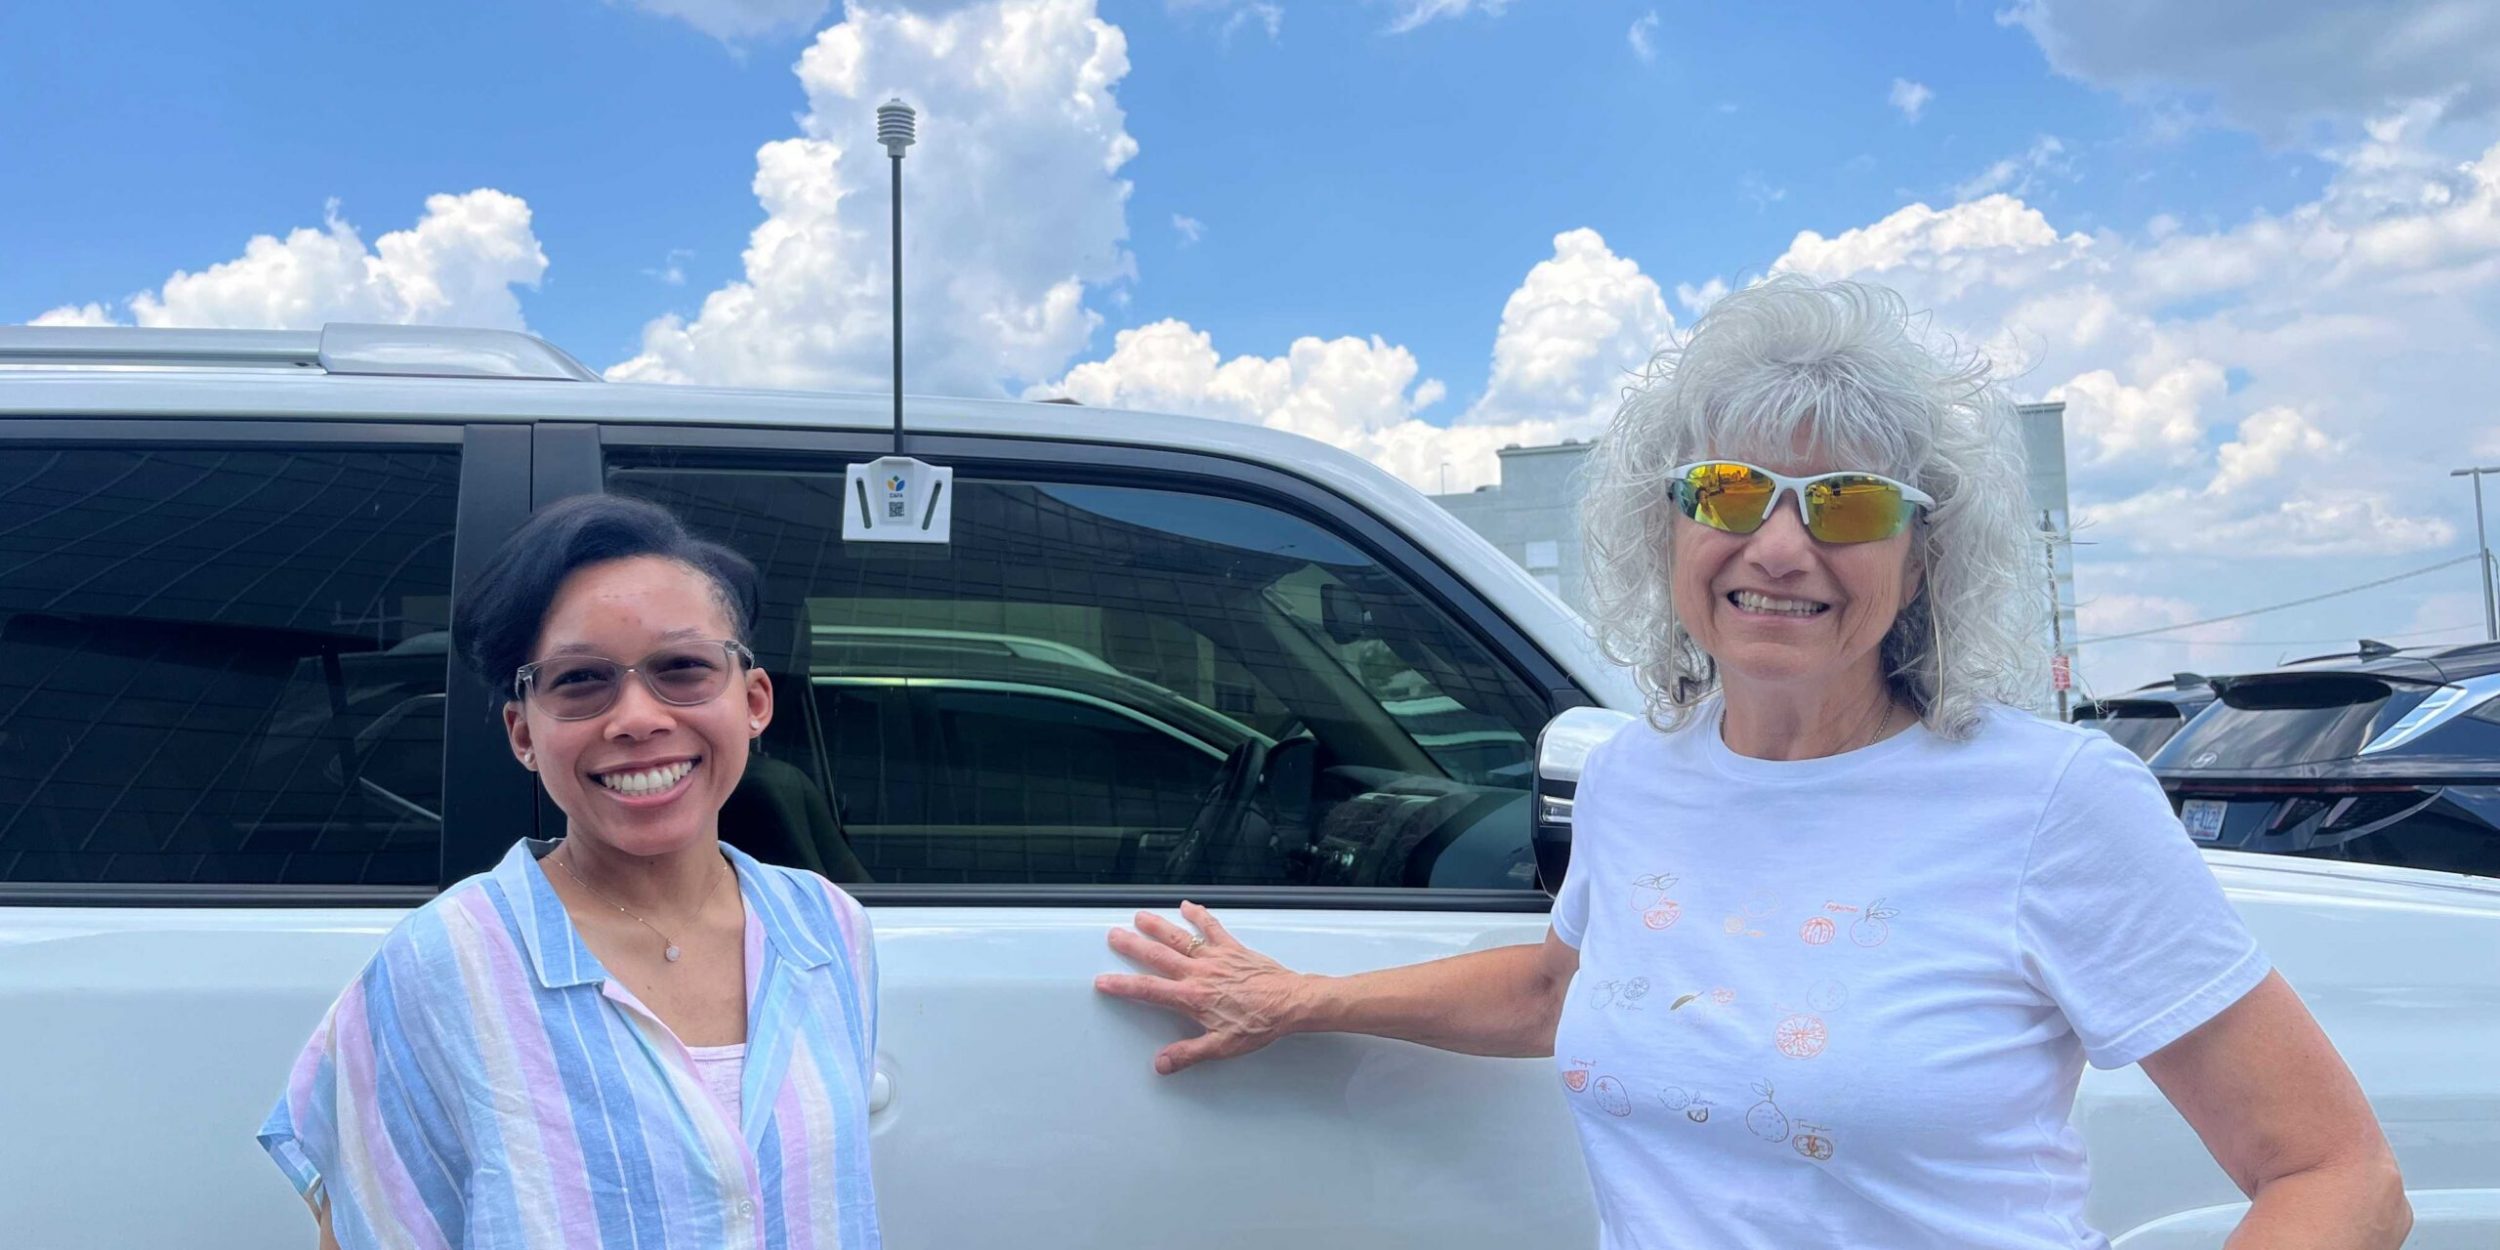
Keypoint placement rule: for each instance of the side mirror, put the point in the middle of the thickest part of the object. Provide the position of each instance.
(1342, 615)
(1562, 747)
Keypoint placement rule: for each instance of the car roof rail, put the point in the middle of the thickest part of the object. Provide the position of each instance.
(346, 348)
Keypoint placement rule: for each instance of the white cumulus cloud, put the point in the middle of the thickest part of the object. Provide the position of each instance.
(1572, 336)
(2312, 522)
(1698, 299)
(1362, 395)
(2164, 418)
(1644, 36)
(457, 265)
(1909, 97)
(1411, 14)
(1014, 209)
(1993, 244)
(1237, 14)
(2268, 441)
(2020, 172)
(2277, 65)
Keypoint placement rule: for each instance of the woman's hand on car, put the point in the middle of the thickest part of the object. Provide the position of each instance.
(1243, 999)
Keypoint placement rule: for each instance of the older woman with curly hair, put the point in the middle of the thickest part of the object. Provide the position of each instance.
(1885, 917)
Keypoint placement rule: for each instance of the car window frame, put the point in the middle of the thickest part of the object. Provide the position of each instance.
(483, 809)
(751, 447)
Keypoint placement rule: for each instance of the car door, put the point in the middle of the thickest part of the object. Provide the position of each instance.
(1388, 714)
(233, 760)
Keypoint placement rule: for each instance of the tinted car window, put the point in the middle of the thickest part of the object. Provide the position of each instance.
(2271, 722)
(1029, 786)
(223, 665)
(1033, 758)
(1117, 684)
(2142, 733)
(1398, 663)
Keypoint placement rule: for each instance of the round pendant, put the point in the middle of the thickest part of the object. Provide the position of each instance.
(672, 952)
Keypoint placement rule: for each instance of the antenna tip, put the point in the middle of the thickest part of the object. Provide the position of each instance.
(895, 126)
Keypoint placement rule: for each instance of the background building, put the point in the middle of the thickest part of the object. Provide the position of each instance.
(2044, 447)
(1531, 514)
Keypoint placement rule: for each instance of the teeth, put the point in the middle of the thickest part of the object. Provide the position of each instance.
(1752, 602)
(649, 780)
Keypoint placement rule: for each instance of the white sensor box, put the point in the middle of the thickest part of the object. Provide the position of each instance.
(898, 499)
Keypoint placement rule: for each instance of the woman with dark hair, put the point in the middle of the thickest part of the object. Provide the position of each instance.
(636, 1034)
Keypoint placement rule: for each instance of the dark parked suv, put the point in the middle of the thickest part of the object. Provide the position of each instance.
(2385, 757)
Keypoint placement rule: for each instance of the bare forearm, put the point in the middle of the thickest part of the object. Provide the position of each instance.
(2351, 1207)
(1498, 1002)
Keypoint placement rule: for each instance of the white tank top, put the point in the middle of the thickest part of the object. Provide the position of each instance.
(721, 1068)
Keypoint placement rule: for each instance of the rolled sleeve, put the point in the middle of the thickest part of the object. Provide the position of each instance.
(360, 1133)
(2120, 920)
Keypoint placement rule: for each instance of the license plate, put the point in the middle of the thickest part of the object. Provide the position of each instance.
(2203, 818)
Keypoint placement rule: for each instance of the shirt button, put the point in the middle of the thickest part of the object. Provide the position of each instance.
(746, 1206)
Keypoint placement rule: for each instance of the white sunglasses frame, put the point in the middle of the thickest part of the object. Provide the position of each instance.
(1795, 487)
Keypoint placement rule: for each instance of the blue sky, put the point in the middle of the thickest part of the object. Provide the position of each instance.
(2243, 245)
(1349, 181)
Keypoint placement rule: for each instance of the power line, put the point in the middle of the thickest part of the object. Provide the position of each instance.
(2277, 607)
(2312, 642)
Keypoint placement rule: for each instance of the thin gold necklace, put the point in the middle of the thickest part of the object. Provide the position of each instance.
(670, 951)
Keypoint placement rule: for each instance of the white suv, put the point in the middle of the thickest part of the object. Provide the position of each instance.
(1160, 658)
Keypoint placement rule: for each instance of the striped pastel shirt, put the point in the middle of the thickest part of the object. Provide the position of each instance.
(484, 1083)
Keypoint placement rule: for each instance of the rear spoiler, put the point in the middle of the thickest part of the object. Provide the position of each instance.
(2274, 691)
(2262, 692)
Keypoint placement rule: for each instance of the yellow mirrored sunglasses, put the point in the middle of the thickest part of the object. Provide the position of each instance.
(1842, 507)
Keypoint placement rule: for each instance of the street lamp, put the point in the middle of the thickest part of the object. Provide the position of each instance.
(2491, 609)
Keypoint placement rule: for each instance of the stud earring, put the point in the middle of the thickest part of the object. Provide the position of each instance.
(529, 760)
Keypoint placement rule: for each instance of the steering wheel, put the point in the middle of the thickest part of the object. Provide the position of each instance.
(1219, 818)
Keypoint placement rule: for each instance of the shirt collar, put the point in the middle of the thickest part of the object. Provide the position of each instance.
(786, 934)
(560, 957)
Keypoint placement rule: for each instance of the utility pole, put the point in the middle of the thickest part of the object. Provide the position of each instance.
(2062, 666)
(2491, 608)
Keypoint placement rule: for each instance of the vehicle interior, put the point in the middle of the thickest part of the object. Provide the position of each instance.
(1115, 685)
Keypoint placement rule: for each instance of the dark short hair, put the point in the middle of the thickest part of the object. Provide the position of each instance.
(500, 611)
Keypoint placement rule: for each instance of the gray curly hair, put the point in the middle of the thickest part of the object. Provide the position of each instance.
(1841, 367)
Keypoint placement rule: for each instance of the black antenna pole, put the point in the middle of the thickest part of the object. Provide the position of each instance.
(894, 130)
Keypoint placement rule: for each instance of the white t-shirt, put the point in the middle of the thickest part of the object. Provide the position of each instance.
(1847, 1001)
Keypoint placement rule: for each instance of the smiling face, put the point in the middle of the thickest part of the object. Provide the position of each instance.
(644, 777)
(1776, 608)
